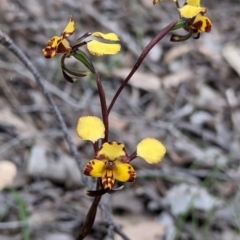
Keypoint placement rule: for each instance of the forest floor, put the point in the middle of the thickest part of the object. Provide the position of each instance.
(185, 94)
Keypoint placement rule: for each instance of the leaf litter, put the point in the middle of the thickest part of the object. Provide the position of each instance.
(202, 141)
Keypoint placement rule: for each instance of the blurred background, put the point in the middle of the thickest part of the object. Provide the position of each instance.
(185, 94)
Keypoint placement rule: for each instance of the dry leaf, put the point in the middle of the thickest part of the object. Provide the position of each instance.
(41, 217)
(177, 52)
(209, 97)
(140, 230)
(190, 197)
(7, 116)
(173, 80)
(54, 165)
(142, 80)
(3, 5)
(57, 236)
(8, 171)
(232, 54)
(117, 123)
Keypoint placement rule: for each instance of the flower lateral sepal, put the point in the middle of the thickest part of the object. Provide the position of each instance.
(68, 78)
(181, 38)
(69, 74)
(84, 59)
(112, 191)
(97, 193)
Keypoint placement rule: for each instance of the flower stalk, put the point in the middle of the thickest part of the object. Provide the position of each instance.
(90, 218)
(145, 52)
(103, 103)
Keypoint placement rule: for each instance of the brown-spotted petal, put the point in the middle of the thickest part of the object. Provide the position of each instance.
(94, 168)
(124, 172)
(108, 179)
(69, 29)
(202, 23)
(51, 49)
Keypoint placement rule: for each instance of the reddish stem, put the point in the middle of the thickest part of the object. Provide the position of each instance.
(133, 156)
(90, 218)
(95, 146)
(103, 103)
(145, 52)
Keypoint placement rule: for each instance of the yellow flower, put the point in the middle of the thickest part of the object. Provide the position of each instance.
(111, 162)
(98, 48)
(61, 44)
(192, 10)
(192, 19)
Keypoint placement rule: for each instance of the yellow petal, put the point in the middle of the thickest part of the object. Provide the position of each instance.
(156, 1)
(98, 49)
(94, 168)
(194, 3)
(112, 151)
(51, 49)
(202, 23)
(151, 150)
(90, 128)
(124, 172)
(69, 29)
(188, 11)
(107, 36)
(108, 179)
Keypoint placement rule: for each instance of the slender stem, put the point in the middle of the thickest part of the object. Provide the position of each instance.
(103, 104)
(133, 156)
(145, 52)
(95, 146)
(90, 218)
(177, 3)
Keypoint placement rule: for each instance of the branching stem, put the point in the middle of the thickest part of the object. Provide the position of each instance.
(145, 52)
